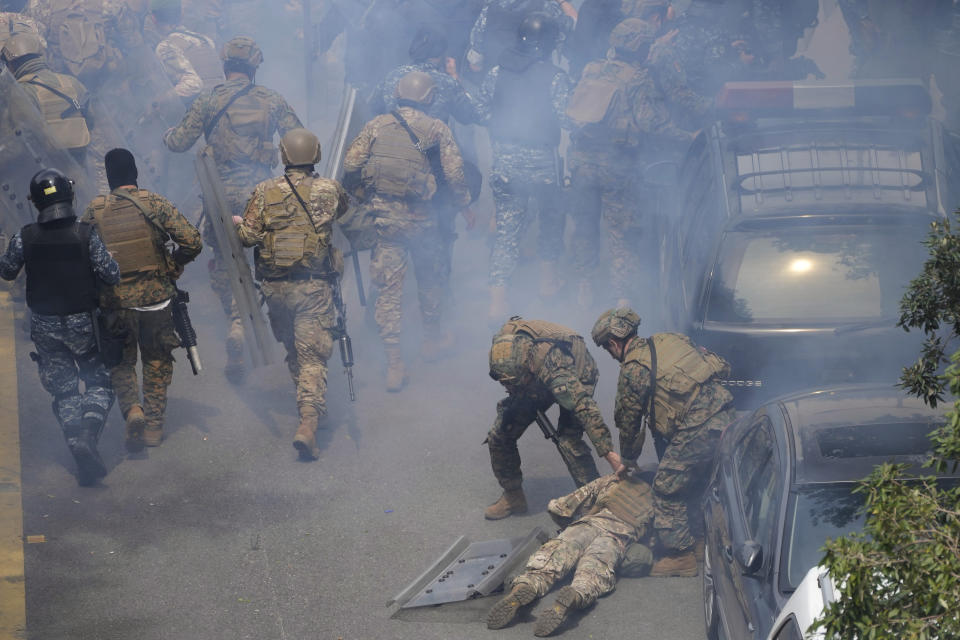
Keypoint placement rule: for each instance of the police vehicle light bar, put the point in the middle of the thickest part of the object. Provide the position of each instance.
(861, 97)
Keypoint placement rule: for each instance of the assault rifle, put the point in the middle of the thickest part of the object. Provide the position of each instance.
(550, 433)
(188, 337)
(343, 338)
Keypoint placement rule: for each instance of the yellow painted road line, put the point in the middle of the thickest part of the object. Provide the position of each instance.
(13, 614)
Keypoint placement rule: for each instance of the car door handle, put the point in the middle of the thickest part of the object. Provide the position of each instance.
(728, 553)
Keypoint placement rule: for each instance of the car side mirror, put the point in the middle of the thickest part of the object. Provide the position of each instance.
(750, 557)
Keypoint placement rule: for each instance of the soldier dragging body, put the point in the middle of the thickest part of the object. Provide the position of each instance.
(135, 225)
(290, 219)
(66, 262)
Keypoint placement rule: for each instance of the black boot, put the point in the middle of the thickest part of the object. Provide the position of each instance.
(82, 442)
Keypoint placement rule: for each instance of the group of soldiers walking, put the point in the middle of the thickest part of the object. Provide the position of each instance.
(118, 85)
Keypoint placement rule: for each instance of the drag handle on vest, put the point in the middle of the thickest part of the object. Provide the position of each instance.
(188, 337)
(550, 433)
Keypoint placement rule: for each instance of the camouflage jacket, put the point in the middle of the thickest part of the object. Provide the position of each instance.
(559, 382)
(280, 118)
(436, 134)
(632, 403)
(449, 99)
(670, 69)
(327, 201)
(187, 82)
(144, 289)
(589, 503)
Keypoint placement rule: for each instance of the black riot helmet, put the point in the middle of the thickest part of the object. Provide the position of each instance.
(52, 194)
(538, 35)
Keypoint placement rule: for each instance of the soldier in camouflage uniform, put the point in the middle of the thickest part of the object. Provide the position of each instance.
(290, 219)
(686, 408)
(618, 131)
(540, 364)
(495, 29)
(65, 261)
(523, 100)
(13, 22)
(398, 182)
(189, 58)
(136, 225)
(601, 521)
(238, 119)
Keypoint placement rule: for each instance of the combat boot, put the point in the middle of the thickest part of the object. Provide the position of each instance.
(506, 609)
(436, 344)
(396, 373)
(679, 564)
(305, 441)
(153, 436)
(83, 447)
(511, 502)
(550, 284)
(235, 371)
(136, 423)
(550, 619)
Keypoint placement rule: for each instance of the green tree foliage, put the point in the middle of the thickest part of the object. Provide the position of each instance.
(900, 578)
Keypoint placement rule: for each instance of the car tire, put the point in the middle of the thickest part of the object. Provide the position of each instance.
(711, 616)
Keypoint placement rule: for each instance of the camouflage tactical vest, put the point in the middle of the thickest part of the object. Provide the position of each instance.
(244, 133)
(547, 335)
(396, 167)
(67, 124)
(601, 105)
(682, 368)
(291, 242)
(129, 235)
(77, 37)
(632, 502)
(203, 58)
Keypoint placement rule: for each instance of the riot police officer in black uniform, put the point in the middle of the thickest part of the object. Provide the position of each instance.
(64, 260)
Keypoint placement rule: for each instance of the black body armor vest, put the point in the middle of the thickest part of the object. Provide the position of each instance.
(60, 279)
(522, 103)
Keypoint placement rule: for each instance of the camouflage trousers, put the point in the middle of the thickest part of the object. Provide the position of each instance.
(592, 553)
(515, 415)
(681, 478)
(152, 335)
(607, 188)
(396, 239)
(302, 315)
(511, 197)
(66, 355)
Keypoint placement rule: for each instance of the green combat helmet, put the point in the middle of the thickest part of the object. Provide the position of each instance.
(417, 87)
(17, 48)
(510, 357)
(615, 323)
(243, 51)
(299, 147)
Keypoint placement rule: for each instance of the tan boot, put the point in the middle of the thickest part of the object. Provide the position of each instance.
(436, 344)
(497, 314)
(305, 441)
(680, 564)
(396, 373)
(511, 502)
(235, 371)
(506, 609)
(550, 619)
(153, 436)
(136, 423)
(549, 280)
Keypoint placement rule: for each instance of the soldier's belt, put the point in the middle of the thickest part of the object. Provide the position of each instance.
(297, 277)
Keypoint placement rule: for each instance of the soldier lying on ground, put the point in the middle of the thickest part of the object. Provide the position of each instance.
(612, 525)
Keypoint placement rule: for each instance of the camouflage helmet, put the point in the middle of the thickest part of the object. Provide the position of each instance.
(417, 87)
(632, 35)
(299, 147)
(615, 323)
(242, 49)
(20, 45)
(510, 356)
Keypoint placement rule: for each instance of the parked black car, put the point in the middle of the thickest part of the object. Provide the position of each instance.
(800, 228)
(783, 482)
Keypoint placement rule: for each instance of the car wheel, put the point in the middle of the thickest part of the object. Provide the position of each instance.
(711, 616)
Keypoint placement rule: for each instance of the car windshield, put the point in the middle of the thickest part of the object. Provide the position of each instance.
(819, 512)
(810, 274)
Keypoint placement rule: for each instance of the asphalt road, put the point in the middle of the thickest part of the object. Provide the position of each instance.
(221, 533)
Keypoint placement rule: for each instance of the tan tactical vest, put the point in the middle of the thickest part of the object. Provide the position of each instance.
(77, 36)
(632, 502)
(129, 235)
(203, 58)
(291, 243)
(545, 336)
(681, 368)
(601, 105)
(244, 133)
(396, 167)
(70, 132)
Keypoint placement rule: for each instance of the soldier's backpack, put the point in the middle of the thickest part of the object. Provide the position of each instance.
(601, 105)
(78, 39)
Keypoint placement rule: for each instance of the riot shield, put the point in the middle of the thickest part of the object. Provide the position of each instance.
(26, 148)
(258, 337)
